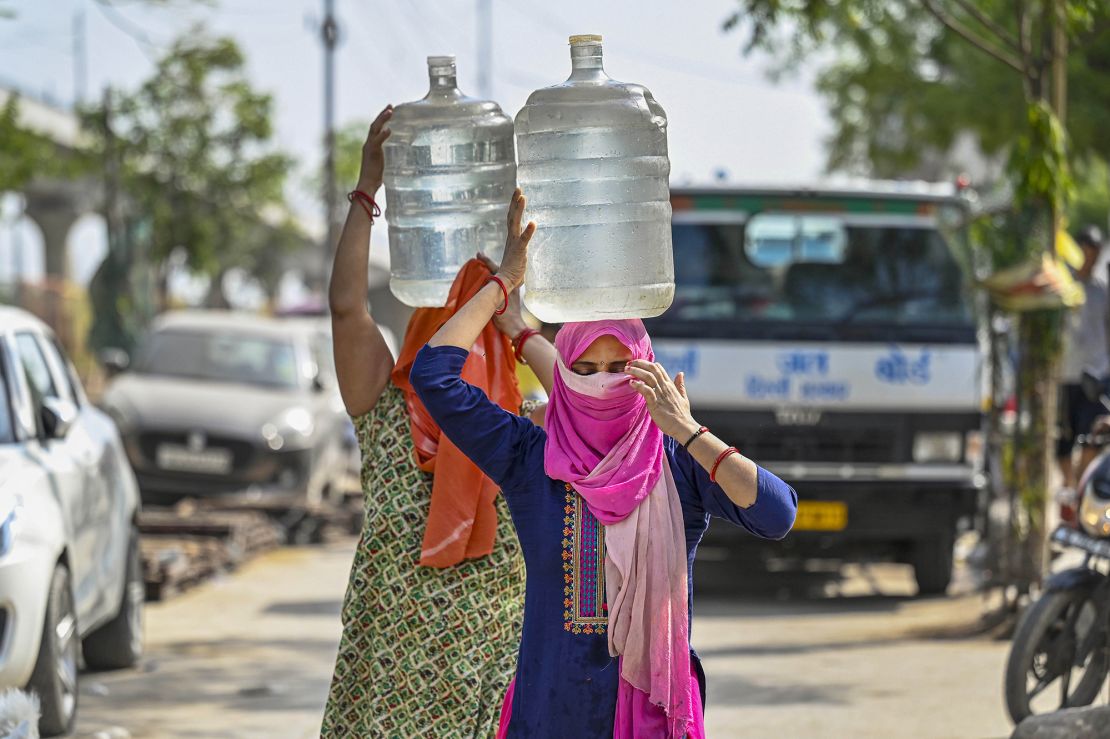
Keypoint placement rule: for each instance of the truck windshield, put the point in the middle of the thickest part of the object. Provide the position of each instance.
(219, 357)
(784, 269)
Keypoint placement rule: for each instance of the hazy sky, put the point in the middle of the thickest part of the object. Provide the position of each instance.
(723, 112)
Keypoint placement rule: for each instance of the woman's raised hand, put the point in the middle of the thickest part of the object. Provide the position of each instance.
(511, 322)
(666, 399)
(515, 259)
(373, 159)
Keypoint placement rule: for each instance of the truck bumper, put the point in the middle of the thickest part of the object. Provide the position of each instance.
(876, 518)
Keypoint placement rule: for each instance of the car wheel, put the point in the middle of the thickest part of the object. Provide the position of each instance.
(54, 679)
(119, 643)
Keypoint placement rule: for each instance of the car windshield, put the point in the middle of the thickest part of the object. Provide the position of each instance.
(813, 269)
(7, 429)
(229, 356)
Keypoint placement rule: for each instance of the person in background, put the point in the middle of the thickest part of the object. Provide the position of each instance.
(1086, 350)
(432, 612)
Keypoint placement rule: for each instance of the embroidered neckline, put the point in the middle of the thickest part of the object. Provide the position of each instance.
(584, 608)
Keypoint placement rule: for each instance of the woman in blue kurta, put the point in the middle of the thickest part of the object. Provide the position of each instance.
(572, 677)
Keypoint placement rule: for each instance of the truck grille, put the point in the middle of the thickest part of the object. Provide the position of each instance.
(836, 438)
(816, 445)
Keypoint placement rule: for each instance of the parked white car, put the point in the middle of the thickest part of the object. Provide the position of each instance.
(70, 574)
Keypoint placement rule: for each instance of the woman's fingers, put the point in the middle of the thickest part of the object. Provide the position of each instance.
(527, 234)
(643, 389)
(491, 265)
(641, 375)
(379, 138)
(653, 370)
(385, 115)
(516, 210)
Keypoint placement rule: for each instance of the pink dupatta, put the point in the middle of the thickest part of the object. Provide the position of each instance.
(601, 440)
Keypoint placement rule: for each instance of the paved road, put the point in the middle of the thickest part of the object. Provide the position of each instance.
(815, 656)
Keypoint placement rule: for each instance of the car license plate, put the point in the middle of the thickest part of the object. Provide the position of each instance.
(209, 461)
(1069, 536)
(821, 515)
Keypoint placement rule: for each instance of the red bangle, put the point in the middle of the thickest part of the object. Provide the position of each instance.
(518, 343)
(367, 203)
(726, 453)
(504, 291)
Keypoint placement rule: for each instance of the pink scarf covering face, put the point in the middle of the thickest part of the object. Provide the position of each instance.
(601, 440)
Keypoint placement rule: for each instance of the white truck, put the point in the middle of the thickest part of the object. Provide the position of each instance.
(832, 336)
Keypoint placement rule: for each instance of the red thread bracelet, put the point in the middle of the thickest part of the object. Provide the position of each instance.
(726, 453)
(518, 343)
(504, 291)
(367, 203)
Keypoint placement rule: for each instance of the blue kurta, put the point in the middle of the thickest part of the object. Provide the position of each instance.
(566, 682)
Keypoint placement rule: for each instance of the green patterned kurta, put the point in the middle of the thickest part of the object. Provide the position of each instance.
(425, 652)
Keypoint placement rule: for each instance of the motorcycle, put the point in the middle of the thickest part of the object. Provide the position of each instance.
(1064, 637)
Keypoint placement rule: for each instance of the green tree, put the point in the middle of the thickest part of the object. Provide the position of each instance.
(197, 161)
(22, 153)
(907, 77)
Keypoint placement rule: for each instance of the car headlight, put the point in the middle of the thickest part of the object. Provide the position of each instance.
(294, 428)
(937, 446)
(1094, 511)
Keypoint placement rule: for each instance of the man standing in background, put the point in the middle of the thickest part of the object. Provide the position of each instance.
(1086, 350)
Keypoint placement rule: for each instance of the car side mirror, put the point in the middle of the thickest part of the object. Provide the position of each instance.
(114, 361)
(57, 417)
(1093, 387)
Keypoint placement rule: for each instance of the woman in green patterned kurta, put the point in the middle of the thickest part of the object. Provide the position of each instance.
(425, 652)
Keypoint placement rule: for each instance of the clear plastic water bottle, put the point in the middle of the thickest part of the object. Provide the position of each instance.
(593, 164)
(450, 171)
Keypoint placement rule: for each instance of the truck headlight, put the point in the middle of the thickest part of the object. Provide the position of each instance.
(937, 446)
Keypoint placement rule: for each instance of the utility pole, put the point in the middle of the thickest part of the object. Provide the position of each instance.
(329, 32)
(485, 49)
(80, 54)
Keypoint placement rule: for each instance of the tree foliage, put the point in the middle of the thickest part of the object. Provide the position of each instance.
(902, 85)
(198, 161)
(22, 153)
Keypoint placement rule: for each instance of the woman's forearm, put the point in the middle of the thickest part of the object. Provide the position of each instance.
(540, 355)
(737, 475)
(350, 273)
(463, 329)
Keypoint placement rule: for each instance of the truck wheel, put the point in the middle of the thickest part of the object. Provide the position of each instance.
(54, 679)
(119, 643)
(932, 565)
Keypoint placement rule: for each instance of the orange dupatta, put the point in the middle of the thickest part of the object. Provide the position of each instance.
(462, 520)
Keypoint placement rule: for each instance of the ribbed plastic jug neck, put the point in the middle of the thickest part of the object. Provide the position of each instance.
(585, 58)
(441, 76)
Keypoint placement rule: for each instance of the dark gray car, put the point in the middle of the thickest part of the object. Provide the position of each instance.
(216, 403)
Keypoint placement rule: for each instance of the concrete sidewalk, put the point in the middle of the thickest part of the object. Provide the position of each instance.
(247, 656)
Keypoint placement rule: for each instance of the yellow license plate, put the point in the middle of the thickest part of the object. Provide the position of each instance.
(821, 515)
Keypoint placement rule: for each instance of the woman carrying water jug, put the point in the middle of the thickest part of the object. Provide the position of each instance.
(610, 500)
(432, 613)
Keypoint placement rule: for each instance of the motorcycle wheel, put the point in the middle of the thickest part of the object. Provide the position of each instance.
(1061, 639)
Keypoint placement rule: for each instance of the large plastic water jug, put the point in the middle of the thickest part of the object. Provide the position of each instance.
(450, 171)
(593, 164)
